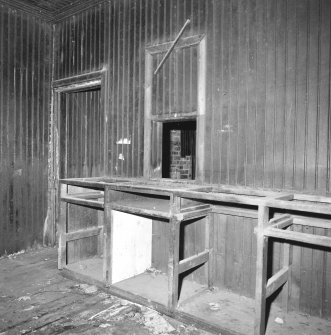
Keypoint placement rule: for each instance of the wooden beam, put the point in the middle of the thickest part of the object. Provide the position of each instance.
(83, 233)
(220, 197)
(185, 42)
(311, 222)
(87, 195)
(140, 211)
(92, 183)
(284, 196)
(193, 261)
(174, 117)
(312, 197)
(79, 82)
(195, 208)
(276, 281)
(302, 206)
(83, 202)
(235, 211)
(322, 241)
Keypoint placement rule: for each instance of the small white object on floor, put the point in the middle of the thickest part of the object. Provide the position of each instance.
(105, 325)
(24, 298)
(279, 321)
(89, 289)
(214, 306)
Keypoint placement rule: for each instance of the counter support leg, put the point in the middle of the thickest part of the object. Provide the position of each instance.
(173, 264)
(261, 272)
(107, 239)
(62, 229)
(209, 245)
(286, 290)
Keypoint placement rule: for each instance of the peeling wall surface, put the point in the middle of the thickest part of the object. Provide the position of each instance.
(25, 75)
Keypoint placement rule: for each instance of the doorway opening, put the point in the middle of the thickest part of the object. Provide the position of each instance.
(179, 150)
(81, 134)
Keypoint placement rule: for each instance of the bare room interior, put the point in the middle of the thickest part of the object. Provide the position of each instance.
(165, 167)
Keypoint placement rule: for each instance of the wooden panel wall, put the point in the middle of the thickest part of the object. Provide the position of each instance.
(268, 82)
(82, 135)
(175, 86)
(270, 88)
(268, 107)
(25, 75)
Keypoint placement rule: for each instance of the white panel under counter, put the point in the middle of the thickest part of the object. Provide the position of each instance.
(131, 245)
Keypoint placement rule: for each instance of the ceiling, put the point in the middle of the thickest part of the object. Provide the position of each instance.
(51, 10)
(51, 6)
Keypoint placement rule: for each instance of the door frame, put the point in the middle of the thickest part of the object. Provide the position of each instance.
(97, 79)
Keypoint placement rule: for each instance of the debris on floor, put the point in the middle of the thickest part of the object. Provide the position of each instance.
(88, 289)
(214, 306)
(156, 323)
(24, 298)
(154, 272)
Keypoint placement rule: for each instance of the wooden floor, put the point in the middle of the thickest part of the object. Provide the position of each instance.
(229, 312)
(36, 298)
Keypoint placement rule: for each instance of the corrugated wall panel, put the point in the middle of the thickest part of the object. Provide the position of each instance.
(25, 72)
(267, 116)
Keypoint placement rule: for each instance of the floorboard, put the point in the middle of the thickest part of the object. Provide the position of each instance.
(36, 298)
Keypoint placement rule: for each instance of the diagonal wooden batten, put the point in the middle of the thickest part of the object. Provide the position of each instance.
(193, 261)
(281, 222)
(172, 46)
(83, 233)
(276, 281)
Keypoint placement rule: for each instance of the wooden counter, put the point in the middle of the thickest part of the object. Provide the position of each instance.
(176, 201)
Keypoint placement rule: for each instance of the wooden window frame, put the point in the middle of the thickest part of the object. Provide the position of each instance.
(153, 124)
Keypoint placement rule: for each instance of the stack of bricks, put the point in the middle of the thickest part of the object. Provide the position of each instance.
(180, 167)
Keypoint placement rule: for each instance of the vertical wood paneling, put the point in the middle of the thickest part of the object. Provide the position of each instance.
(82, 135)
(274, 64)
(24, 99)
(268, 108)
